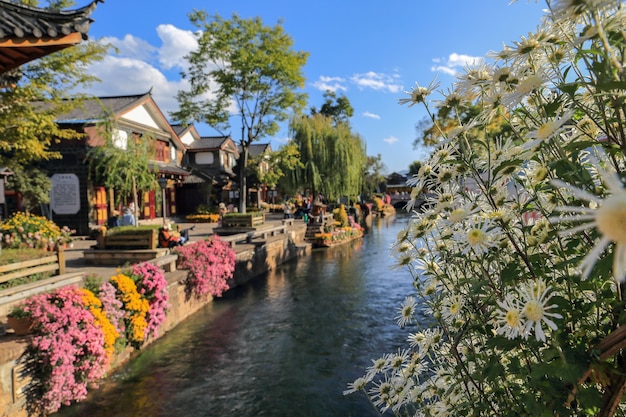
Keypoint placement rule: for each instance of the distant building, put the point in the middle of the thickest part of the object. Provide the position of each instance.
(134, 116)
(213, 158)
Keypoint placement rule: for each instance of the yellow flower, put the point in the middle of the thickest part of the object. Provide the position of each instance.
(94, 305)
(136, 307)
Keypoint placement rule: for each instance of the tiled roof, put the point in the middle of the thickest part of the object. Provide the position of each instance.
(169, 168)
(178, 128)
(94, 109)
(20, 25)
(207, 143)
(256, 149)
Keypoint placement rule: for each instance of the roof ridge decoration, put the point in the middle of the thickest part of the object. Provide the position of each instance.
(28, 33)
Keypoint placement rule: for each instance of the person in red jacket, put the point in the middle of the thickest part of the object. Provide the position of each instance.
(170, 239)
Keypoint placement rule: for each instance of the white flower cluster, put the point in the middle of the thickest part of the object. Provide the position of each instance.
(517, 243)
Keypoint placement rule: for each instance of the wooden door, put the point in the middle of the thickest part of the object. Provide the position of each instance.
(100, 206)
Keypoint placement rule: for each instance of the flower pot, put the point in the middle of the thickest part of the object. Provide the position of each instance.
(20, 325)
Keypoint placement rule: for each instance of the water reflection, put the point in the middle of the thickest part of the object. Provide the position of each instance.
(285, 345)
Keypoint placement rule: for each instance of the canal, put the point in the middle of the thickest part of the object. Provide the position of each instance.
(285, 345)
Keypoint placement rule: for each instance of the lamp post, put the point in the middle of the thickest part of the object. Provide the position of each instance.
(163, 185)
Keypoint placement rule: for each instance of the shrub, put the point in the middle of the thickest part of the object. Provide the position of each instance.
(519, 256)
(211, 263)
(340, 216)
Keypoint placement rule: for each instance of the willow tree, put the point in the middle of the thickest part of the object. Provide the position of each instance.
(243, 66)
(332, 156)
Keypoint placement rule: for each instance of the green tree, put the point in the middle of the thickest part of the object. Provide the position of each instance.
(333, 157)
(244, 63)
(373, 174)
(337, 108)
(33, 184)
(414, 167)
(280, 162)
(122, 164)
(32, 97)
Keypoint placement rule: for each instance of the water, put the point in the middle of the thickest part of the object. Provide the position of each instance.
(285, 345)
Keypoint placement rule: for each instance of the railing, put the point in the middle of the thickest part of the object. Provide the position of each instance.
(249, 236)
(54, 263)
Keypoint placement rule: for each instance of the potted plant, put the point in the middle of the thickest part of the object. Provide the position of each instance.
(20, 320)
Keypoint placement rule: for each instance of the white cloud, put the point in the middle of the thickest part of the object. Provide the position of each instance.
(125, 76)
(138, 66)
(333, 84)
(371, 115)
(377, 81)
(176, 44)
(131, 46)
(391, 140)
(454, 62)
(445, 70)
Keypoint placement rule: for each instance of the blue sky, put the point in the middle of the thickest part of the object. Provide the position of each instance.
(372, 52)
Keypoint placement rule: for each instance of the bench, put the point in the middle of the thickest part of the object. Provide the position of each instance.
(288, 222)
(243, 220)
(137, 239)
(52, 263)
(118, 257)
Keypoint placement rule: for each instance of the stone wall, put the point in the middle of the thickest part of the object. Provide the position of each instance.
(252, 261)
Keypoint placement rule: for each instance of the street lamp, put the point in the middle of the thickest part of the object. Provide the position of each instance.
(163, 185)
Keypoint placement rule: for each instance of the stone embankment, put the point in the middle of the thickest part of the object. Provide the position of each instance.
(256, 255)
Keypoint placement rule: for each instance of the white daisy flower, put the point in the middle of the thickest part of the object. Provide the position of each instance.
(509, 320)
(526, 86)
(607, 215)
(358, 385)
(451, 308)
(406, 311)
(535, 296)
(418, 94)
(480, 236)
(550, 128)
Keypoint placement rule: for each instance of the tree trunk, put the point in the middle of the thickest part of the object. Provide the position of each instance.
(135, 203)
(243, 187)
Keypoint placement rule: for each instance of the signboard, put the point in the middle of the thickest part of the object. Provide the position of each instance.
(65, 194)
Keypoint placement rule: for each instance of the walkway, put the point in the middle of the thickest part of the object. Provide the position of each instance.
(74, 260)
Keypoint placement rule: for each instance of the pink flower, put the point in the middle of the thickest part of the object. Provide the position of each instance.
(211, 264)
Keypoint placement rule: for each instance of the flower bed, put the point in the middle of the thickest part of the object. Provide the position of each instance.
(338, 235)
(24, 230)
(203, 218)
(76, 331)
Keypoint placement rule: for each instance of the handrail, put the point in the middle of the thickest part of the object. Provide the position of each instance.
(248, 236)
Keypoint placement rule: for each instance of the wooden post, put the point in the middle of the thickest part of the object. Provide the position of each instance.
(61, 259)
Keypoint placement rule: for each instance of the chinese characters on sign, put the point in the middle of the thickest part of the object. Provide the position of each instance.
(65, 194)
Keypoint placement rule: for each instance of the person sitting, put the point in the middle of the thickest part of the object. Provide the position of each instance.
(170, 239)
(128, 219)
(114, 220)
